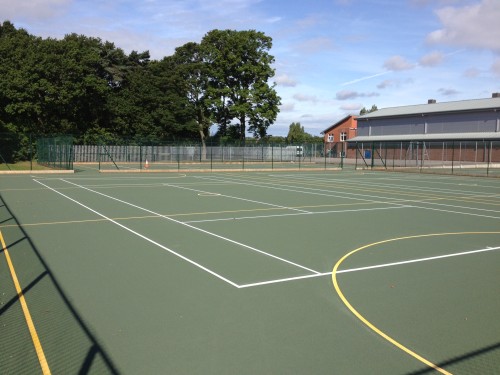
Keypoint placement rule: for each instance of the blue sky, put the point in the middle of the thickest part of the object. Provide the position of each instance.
(333, 57)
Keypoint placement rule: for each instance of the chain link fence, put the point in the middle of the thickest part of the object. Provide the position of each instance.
(475, 158)
(196, 156)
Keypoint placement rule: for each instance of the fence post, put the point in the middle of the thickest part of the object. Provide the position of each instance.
(31, 154)
(272, 156)
(489, 159)
(452, 155)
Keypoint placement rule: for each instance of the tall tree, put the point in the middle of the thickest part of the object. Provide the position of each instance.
(240, 70)
(296, 133)
(191, 67)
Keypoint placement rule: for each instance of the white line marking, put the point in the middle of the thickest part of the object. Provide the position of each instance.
(402, 201)
(196, 228)
(312, 191)
(144, 237)
(420, 260)
(298, 214)
(369, 267)
(457, 212)
(283, 280)
(238, 198)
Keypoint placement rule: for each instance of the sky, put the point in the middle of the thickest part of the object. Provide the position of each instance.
(332, 57)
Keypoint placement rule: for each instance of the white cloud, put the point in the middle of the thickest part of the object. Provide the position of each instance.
(448, 92)
(347, 94)
(472, 73)
(287, 107)
(316, 45)
(305, 98)
(387, 83)
(475, 26)
(398, 63)
(285, 80)
(432, 59)
(32, 10)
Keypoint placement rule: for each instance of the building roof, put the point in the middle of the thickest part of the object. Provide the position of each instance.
(338, 123)
(419, 109)
(475, 136)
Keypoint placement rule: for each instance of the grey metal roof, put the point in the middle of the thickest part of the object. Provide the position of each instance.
(477, 136)
(457, 106)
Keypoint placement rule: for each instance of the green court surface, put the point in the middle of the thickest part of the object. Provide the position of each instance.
(332, 272)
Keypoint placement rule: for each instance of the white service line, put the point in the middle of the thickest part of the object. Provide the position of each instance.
(456, 212)
(313, 191)
(195, 228)
(370, 267)
(238, 198)
(144, 237)
(393, 202)
(298, 214)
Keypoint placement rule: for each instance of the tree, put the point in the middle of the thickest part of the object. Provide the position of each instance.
(364, 111)
(189, 64)
(238, 88)
(296, 133)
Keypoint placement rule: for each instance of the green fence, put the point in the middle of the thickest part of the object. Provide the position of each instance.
(19, 152)
(212, 156)
(55, 152)
(463, 157)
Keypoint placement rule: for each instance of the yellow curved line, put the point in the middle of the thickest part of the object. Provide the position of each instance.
(370, 325)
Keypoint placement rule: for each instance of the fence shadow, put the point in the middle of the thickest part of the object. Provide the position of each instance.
(70, 347)
(474, 362)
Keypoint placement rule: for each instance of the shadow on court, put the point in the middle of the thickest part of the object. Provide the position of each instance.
(68, 344)
(482, 361)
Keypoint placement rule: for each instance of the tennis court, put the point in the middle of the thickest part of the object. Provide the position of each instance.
(318, 272)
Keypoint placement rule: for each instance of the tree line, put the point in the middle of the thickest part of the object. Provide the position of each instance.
(95, 91)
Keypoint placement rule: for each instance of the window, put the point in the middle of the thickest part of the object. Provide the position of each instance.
(343, 137)
(330, 137)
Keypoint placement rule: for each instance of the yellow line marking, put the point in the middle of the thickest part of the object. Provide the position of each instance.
(185, 214)
(34, 336)
(364, 320)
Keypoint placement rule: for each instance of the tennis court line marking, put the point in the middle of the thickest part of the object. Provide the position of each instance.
(370, 325)
(400, 200)
(143, 237)
(196, 228)
(469, 252)
(298, 214)
(388, 186)
(27, 316)
(164, 247)
(348, 184)
(311, 191)
(238, 198)
(457, 212)
(347, 195)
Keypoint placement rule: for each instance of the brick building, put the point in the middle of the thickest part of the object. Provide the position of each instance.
(336, 136)
(466, 130)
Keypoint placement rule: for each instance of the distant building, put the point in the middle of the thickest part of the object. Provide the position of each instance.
(337, 134)
(477, 119)
(466, 131)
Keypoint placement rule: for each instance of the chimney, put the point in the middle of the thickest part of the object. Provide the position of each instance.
(431, 101)
(495, 95)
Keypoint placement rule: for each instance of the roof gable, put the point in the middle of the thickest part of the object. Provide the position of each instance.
(338, 123)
